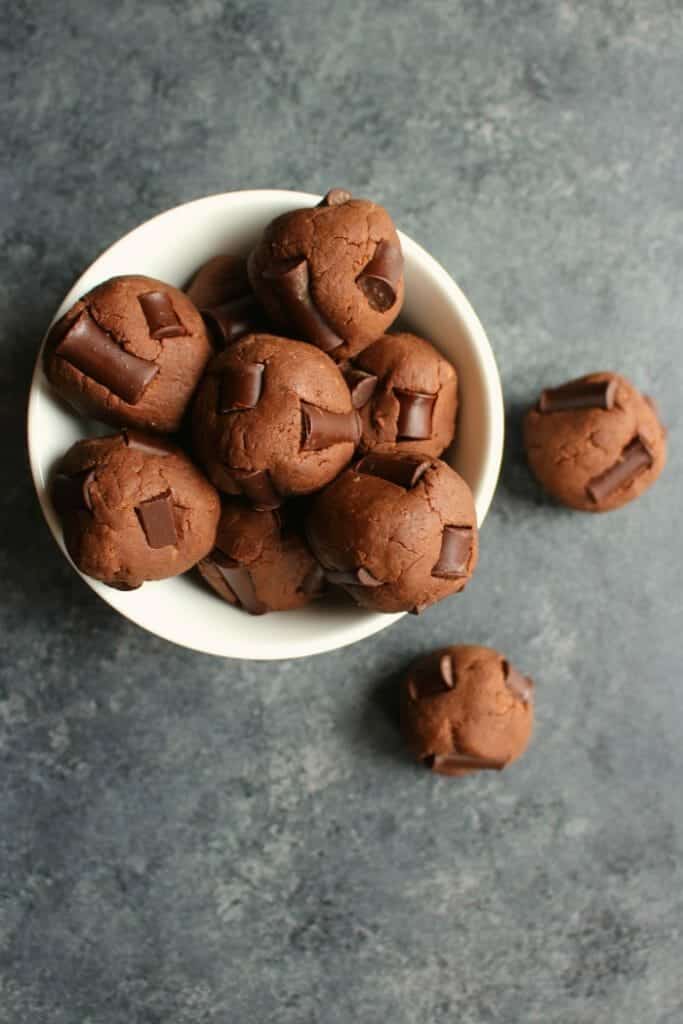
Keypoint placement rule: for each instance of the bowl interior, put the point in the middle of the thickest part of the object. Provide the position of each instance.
(171, 247)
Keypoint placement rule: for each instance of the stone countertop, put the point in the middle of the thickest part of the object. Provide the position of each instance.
(188, 840)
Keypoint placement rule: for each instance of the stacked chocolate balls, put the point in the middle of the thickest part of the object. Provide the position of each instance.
(315, 434)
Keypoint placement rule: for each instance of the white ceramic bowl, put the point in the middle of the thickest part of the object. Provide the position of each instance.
(170, 247)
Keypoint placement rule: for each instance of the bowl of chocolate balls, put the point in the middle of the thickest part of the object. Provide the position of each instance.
(265, 425)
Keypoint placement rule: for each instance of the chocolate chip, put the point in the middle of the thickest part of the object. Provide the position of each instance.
(451, 764)
(579, 394)
(239, 580)
(321, 429)
(144, 443)
(313, 582)
(429, 683)
(456, 550)
(403, 470)
(232, 320)
(240, 388)
(335, 197)
(519, 686)
(352, 578)
(635, 459)
(415, 415)
(258, 488)
(361, 385)
(160, 316)
(380, 277)
(157, 520)
(289, 281)
(72, 493)
(95, 353)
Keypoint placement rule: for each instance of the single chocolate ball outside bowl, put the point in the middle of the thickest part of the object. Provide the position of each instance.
(133, 508)
(406, 394)
(466, 709)
(595, 443)
(130, 352)
(331, 274)
(397, 531)
(272, 419)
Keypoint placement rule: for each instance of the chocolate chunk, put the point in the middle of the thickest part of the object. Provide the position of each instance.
(157, 520)
(239, 580)
(72, 493)
(518, 685)
(635, 459)
(353, 578)
(579, 394)
(258, 488)
(456, 550)
(160, 316)
(289, 281)
(240, 388)
(379, 279)
(313, 582)
(94, 352)
(404, 470)
(335, 197)
(415, 415)
(429, 684)
(144, 443)
(361, 385)
(448, 764)
(232, 320)
(322, 429)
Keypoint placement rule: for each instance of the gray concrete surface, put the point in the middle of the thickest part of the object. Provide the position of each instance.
(185, 840)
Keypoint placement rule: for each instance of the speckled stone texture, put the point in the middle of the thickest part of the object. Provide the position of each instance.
(185, 840)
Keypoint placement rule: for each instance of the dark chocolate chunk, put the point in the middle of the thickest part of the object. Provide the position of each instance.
(456, 550)
(145, 443)
(160, 316)
(429, 684)
(157, 520)
(448, 764)
(379, 279)
(239, 580)
(335, 197)
(95, 353)
(415, 415)
(361, 385)
(258, 488)
(403, 470)
(635, 459)
(72, 493)
(353, 578)
(232, 320)
(518, 685)
(579, 394)
(289, 281)
(313, 582)
(240, 388)
(321, 429)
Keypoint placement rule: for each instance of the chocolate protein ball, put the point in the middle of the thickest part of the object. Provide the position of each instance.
(595, 443)
(261, 561)
(405, 392)
(273, 418)
(133, 508)
(397, 531)
(466, 709)
(221, 291)
(331, 274)
(130, 352)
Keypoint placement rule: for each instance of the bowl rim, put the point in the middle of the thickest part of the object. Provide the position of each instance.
(371, 622)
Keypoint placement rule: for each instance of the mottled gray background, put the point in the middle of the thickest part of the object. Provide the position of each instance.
(188, 840)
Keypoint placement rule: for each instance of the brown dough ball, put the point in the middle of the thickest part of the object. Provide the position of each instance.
(261, 561)
(397, 531)
(331, 274)
(133, 508)
(406, 394)
(595, 443)
(273, 418)
(222, 293)
(465, 709)
(130, 352)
